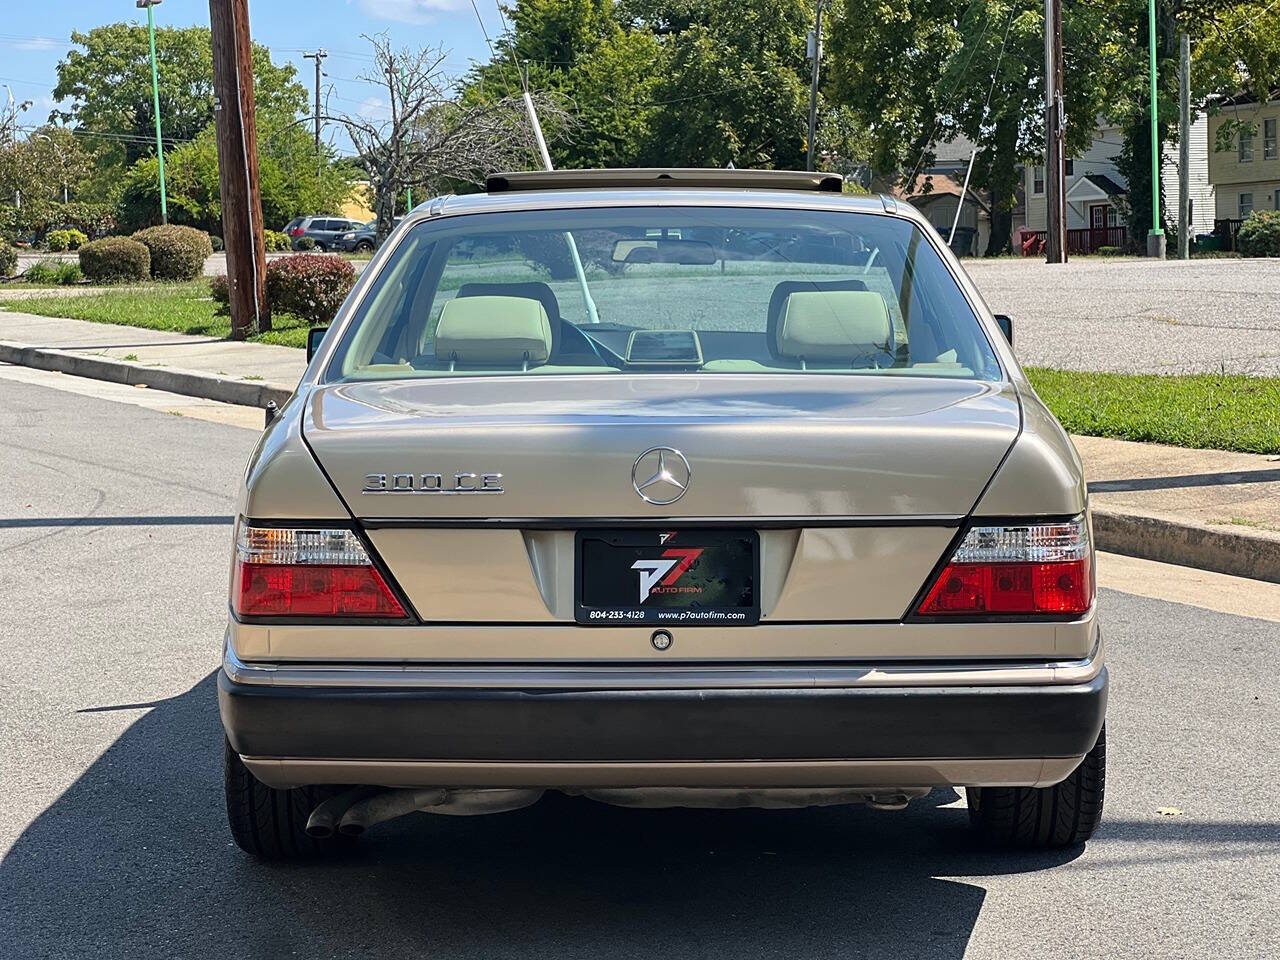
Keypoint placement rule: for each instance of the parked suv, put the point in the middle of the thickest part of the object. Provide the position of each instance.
(362, 240)
(663, 488)
(324, 231)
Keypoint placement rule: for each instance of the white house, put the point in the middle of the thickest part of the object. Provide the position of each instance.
(1097, 192)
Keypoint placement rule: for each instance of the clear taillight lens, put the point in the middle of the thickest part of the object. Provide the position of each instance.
(313, 572)
(1040, 568)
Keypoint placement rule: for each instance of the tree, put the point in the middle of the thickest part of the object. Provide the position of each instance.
(883, 61)
(996, 84)
(291, 179)
(431, 137)
(735, 83)
(106, 86)
(602, 70)
(46, 169)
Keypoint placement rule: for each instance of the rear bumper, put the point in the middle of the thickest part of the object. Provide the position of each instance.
(333, 730)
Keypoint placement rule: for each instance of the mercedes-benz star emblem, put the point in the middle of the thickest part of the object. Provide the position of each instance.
(661, 475)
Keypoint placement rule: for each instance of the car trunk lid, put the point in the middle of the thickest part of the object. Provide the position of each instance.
(757, 447)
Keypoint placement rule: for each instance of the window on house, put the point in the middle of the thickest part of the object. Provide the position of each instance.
(1269, 139)
(1071, 168)
(1037, 179)
(1246, 205)
(1245, 150)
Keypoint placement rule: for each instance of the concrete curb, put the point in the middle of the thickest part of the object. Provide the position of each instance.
(191, 383)
(1255, 556)
(1151, 538)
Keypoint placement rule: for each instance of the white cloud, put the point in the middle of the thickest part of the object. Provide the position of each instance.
(374, 108)
(39, 43)
(416, 12)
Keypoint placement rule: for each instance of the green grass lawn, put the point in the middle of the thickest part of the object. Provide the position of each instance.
(177, 307)
(1219, 411)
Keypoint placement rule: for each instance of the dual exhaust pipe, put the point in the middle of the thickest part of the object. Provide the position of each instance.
(354, 811)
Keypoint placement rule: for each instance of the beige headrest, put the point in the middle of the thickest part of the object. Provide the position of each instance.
(834, 325)
(502, 331)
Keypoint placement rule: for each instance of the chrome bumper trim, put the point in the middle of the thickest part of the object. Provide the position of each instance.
(559, 677)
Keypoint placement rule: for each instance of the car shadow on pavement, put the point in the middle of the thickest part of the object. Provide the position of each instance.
(134, 859)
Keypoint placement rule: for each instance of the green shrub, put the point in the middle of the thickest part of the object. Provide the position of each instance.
(115, 260)
(60, 240)
(1259, 235)
(1109, 251)
(306, 243)
(275, 240)
(46, 271)
(220, 291)
(215, 241)
(310, 286)
(177, 253)
(8, 259)
(69, 273)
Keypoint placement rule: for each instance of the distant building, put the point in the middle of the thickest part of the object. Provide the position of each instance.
(1098, 195)
(937, 192)
(1246, 177)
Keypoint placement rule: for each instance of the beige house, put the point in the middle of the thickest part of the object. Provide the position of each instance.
(1247, 175)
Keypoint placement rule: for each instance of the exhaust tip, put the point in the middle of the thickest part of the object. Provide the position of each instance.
(318, 831)
(351, 829)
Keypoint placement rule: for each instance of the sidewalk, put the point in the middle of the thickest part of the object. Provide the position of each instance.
(1201, 508)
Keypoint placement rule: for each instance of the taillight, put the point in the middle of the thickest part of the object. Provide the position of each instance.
(1038, 568)
(289, 572)
(297, 232)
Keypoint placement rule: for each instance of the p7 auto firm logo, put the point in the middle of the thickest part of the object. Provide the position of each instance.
(660, 575)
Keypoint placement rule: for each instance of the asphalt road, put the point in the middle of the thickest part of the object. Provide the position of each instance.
(114, 843)
(1139, 316)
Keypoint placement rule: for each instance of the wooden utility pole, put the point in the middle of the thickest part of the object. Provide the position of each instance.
(318, 57)
(238, 167)
(815, 53)
(1055, 125)
(1184, 150)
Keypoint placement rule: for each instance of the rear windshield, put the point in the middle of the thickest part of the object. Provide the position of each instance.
(664, 289)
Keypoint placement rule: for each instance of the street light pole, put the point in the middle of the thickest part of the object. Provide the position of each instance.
(815, 51)
(408, 191)
(1155, 239)
(155, 94)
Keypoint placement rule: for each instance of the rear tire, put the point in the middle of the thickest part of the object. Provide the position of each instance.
(1063, 815)
(364, 246)
(270, 823)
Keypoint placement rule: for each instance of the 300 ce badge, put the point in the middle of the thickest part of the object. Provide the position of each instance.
(432, 483)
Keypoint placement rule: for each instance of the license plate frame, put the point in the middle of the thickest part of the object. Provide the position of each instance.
(625, 561)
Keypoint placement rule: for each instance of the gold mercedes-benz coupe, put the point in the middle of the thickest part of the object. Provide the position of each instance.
(663, 488)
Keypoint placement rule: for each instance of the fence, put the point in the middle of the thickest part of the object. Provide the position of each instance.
(1090, 239)
(1225, 231)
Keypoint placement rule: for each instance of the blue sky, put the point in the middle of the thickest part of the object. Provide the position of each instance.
(35, 36)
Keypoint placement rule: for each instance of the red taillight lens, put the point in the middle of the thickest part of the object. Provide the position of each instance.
(1029, 569)
(307, 573)
(297, 232)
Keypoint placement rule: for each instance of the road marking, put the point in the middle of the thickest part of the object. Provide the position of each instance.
(1239, 596)
(159, 400)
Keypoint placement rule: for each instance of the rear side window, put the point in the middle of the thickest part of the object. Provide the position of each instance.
(673, 290)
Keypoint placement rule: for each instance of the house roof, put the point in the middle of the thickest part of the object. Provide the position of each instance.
(1244, 97)
(942, 185)
(1096, 186)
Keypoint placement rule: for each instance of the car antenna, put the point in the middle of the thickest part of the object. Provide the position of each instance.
(592, 314)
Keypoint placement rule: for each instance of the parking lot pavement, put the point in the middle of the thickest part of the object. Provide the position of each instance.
(1139, 316)
(113, 841)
